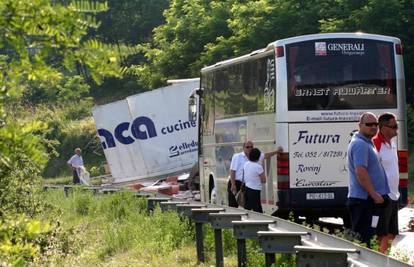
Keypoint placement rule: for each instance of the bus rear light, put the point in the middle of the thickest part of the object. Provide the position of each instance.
(398, 49)
(283, 157)
(403, 161)
(402, 154)
(280, 52)
(283, 185)
(403, 183)
(402, 167)
(282, 171)
(283, 164)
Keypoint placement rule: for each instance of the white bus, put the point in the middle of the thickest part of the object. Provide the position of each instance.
(304, 94)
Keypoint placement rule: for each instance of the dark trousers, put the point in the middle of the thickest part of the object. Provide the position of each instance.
(76, 179)
(253, 201)
(360, 213)
(231, 196)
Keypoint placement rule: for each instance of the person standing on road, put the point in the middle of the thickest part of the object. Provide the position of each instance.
(75, 163)
(236, 170)
(386, 145)
(367, 179)
(254, 177)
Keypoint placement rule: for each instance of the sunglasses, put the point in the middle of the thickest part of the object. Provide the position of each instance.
(395, 127)
(370, 124)
(248, 146)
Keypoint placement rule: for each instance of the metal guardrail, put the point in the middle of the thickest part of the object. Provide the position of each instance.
(275, 235)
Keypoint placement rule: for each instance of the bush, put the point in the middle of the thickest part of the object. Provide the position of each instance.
(19, 238)
(21, 159)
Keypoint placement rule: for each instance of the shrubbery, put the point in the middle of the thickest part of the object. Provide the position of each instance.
(20, 240)
(113, 224)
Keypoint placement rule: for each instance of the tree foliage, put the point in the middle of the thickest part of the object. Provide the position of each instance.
(199, 33)
(177, 45)
(43, 46)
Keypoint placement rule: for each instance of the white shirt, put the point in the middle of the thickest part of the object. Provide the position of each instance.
(252, 171)
(76, 161)
(237, 163)
(389, 160)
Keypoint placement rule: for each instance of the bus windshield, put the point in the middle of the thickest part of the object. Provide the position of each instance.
(333, 74)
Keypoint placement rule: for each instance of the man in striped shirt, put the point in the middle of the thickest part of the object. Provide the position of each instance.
(386, 145)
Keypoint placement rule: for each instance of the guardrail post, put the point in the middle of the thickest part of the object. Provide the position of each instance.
(171, 205)
(200, 216)
(270, 258)
(241, 253)
(308, 256)
(94, 189)
(142, 194)
(106, 191)
(153, 201)
(278, 242)
(221, 221)
(184, 210)
(218, 244)
(66, 190)
(247, 229)
(199, 242)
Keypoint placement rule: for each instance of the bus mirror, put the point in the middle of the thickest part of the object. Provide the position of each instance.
(192, 108)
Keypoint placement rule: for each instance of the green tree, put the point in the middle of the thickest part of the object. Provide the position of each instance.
(41, 42)
(130, 22)
(200, 33)
(176, 47)
(387, 17)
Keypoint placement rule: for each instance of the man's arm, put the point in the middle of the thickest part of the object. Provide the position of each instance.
(262, 178)
(69, 162)
(270, 154)
(365, 181)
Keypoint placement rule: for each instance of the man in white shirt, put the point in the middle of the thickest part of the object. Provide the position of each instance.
(386, 145)
(75, 163)
(236, 170)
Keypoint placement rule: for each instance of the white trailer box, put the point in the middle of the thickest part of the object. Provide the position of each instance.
(148, 135)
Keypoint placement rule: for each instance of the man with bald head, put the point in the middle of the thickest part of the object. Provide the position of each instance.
(75, 163)
(367, 179)
(236, 169)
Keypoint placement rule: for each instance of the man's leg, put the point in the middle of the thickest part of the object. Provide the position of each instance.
(231, 197)
(360, 212)
(383, 227)
(391, 213)
(75, 177)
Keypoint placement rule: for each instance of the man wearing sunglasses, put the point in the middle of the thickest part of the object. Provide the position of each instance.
(386, 145)
(236, 170)
(367, 179)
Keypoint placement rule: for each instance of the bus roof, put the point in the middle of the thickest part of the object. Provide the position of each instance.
(301, 38)
(175, 81)
(237, 59)
(357, 35)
